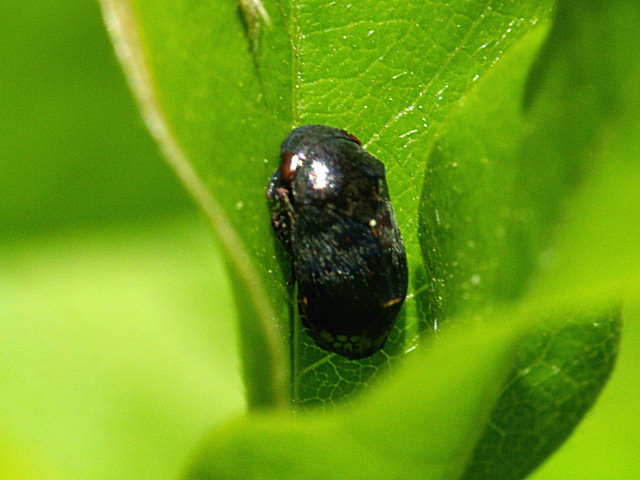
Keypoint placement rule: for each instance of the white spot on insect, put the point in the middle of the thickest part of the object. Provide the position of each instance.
(239, 205)
(296, 161)
(319, 175)
(372, 223)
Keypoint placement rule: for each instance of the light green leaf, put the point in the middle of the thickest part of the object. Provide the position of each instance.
(73, 148)
(407, 429)
(596, 248)
(117, 348)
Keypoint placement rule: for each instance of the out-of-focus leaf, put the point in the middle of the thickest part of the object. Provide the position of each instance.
(117, 349)
(487, 217)
(15, 464)
(607, 442)
(73, 148)
(589, 74)
(558, 374)
(405, 429)
(584, 99)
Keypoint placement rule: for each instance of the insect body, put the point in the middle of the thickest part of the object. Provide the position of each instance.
(334, 217)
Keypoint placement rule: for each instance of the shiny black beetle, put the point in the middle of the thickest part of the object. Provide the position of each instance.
(334, 217)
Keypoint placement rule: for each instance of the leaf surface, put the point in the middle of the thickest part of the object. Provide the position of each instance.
(490, 195)
(223, 84)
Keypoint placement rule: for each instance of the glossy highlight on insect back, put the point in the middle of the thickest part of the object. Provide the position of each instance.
(333, 215)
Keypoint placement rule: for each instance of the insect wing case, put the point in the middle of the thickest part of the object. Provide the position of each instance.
(348, 254)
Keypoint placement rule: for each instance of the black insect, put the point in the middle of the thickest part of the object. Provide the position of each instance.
(333, 215)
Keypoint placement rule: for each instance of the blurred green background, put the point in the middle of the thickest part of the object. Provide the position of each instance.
(74, 149)
(117, 346)
(117, 351)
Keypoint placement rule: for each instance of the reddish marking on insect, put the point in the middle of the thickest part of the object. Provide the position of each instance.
(352, 137)
(287, 167)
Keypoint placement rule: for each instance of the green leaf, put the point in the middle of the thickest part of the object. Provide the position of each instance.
(596, 248)
(607, 442)
(221, 90)
(117, 349)
(585, 95)
(407, 429)
(73, 148)
(487, 215)
(204, 106)
(480, 185)
(559, 373)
